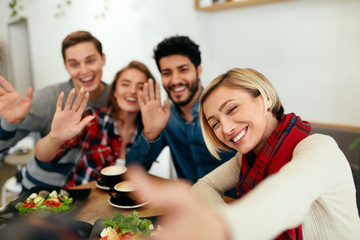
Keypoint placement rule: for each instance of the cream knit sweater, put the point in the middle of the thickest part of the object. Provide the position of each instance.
(315, 189)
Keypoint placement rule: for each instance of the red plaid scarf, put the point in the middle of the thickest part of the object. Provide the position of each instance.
(276, 153)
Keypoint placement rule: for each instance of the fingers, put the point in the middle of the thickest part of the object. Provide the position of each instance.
(59, 102)
(80, 102)
(145, 93)
(83, 102)
(157, 91)
(185, 217)
(137, 175)
(150, 93)
(151, 89)
(140, 99)
(6, 85)
(2, 91)
(69, 100)
(166, 105)
(29, 94)
(170, 196)
(85, 121)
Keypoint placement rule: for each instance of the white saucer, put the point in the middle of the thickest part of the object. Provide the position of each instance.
(127, 206)
(102, 187)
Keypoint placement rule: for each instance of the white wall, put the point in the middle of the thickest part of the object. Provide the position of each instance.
(309, 49)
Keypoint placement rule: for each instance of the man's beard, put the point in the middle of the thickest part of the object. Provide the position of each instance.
(193, 88)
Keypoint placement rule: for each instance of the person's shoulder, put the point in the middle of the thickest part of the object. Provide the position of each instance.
(319, 139)
(319, 144)
(48, 95)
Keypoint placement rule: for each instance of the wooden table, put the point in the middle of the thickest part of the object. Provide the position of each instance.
(98, 207)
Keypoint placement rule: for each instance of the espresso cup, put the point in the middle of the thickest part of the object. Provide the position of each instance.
(112, 175)
(123, 193)
(125, 189)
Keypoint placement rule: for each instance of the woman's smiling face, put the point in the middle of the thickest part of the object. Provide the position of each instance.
(129, 83)
(238, 119)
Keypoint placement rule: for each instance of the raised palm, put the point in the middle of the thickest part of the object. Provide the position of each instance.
(67, 122)
(12, 106)
(154, 115)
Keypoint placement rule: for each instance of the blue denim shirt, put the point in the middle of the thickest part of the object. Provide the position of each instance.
(191, 158)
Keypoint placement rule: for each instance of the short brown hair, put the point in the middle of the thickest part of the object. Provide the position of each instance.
(79, 37)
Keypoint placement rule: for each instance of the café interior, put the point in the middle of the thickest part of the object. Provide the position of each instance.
(309, 50)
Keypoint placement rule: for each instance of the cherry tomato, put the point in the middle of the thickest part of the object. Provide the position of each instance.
(126, 236)
(28, 204)
(52, 203)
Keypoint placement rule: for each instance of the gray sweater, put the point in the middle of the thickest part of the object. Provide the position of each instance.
(39, 120)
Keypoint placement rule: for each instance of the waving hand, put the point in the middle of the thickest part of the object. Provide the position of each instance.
(154, 115)
(12, 106)
(66, 124)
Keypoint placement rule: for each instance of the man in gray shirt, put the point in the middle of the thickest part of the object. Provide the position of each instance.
(84, 61)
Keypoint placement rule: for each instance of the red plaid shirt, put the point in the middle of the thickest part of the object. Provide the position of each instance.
(100, 145)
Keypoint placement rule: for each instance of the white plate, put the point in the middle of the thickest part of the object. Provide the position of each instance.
(102, 187)
(127, 206)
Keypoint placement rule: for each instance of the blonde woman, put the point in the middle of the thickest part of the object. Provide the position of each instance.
(290, 185)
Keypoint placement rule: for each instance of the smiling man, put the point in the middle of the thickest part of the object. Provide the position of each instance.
(84, 61)
(177, 124)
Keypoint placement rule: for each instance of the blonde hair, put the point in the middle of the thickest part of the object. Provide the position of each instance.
(244, 78)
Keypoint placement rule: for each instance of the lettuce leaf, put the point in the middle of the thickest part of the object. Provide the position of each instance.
(132, 223)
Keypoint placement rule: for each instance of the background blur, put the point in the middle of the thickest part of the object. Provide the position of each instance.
(309, 49)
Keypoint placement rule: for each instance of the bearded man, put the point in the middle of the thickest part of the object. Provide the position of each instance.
(176, 123)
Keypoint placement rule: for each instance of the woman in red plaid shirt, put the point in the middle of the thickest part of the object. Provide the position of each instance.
(102, 134)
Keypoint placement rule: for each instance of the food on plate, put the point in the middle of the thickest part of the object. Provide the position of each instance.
(127, 228)
(45, 201)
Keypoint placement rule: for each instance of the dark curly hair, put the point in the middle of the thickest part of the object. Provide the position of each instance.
(182, 45)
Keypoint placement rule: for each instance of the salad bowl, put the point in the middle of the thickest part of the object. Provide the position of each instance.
(10, 210)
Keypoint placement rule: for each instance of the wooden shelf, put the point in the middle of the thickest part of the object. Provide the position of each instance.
(229, 4)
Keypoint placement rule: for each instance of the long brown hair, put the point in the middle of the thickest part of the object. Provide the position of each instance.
(112, 104)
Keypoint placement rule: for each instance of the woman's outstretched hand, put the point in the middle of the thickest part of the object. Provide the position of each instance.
(185, 216)
(13, 108)
(154, 115)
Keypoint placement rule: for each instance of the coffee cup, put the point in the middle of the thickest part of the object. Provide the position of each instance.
(112, 175)
(123, 191)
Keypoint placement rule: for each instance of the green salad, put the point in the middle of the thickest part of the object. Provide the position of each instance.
(130, 226)
(44, 201)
